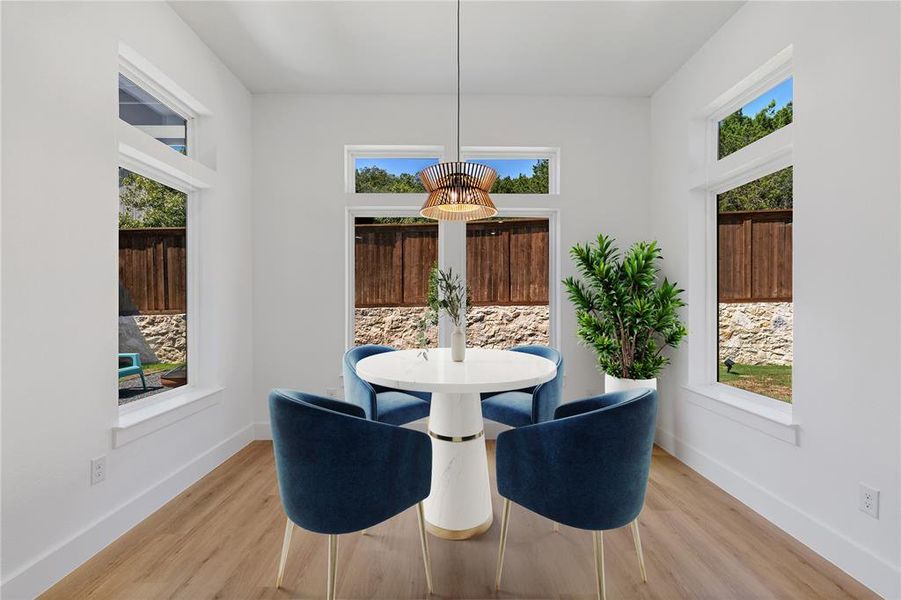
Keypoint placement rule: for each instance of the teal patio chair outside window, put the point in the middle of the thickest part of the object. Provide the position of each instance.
(132, 366)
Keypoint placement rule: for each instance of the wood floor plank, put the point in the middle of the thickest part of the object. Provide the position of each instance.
(221, 539)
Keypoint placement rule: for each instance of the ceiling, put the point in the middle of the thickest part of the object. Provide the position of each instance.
(524, 47)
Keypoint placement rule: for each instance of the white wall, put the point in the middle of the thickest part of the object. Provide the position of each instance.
(59, 271)
(846, 277)
(299, 206)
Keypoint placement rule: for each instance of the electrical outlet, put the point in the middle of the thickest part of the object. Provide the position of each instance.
(98, 469)
(869, 501)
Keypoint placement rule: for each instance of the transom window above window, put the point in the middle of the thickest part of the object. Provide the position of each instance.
(519, 175)
(390, 175)
(520, 169)
(757, 119)
(140, 108)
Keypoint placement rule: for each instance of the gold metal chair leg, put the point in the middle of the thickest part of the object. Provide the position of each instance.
(505, 524)
(424, 541)
(636, 537)
(332, 565)
(286, 545)
(599, 562)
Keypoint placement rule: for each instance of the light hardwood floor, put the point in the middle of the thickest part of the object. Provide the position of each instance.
(222, 537)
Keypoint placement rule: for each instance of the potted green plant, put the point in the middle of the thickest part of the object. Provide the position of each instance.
(624, 313)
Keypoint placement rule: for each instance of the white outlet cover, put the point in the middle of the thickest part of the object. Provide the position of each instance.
(98, 469)
(869, 501)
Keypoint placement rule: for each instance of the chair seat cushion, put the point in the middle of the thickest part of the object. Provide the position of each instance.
(510, 408)
(399, 408)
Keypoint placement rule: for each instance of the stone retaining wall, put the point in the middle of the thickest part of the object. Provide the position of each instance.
(487, 326)
(757, 333)
(157, 338)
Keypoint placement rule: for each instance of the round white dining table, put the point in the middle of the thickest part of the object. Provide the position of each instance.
(459, 505)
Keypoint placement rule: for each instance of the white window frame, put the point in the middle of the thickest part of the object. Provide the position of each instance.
(142, 154)
(449, 244)
(551, 154)
(759, 158)
(353, 152)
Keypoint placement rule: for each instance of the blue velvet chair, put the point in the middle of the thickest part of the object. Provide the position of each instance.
(530, 405)
(587, 468)
(338, 472)
(385, 405)
(130, 364)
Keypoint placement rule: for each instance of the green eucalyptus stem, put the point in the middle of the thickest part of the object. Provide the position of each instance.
(448, 293)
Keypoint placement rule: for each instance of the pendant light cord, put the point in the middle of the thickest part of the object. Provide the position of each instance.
(459, 2)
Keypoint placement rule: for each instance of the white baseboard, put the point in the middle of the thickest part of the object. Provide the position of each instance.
(36, 577)
(261, 430)
(871, 570)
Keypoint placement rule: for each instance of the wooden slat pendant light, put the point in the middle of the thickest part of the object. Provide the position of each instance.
(458, 190)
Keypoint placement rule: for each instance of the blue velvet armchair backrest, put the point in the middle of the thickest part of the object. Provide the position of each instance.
(588, 468)
(547, 396)
(356, 390)
(339, 472)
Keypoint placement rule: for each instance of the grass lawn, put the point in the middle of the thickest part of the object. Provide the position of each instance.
(151, 368)
(774, 381)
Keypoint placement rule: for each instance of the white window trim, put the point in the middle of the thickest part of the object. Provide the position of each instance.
(353, 152)
(762, 157)
(551, 214)
(141, 153)
(520, 152)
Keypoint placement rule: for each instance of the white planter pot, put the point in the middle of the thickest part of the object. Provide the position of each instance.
(615, 384)
(458, 345)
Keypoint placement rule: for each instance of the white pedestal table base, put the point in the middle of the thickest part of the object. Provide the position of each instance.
(459, 506)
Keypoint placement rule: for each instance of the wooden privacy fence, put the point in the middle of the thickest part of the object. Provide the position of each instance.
(506, 262)
(153, 271)
(755, 256)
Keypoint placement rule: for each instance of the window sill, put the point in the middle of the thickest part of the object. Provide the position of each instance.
(137, 423)
(769, 416)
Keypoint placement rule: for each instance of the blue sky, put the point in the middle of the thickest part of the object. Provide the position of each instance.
(504, 167)
(782, 94)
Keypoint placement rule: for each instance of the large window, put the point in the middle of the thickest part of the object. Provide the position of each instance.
(139, 108)
(153, 287)
(507, 262)
(754, 286)
(750, 278)
(392, 260)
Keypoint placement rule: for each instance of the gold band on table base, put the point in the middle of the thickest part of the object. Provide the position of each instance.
(456, 438)
(459, 534)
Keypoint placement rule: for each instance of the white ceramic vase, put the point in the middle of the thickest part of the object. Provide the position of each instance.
(458, 344)
(615, 384)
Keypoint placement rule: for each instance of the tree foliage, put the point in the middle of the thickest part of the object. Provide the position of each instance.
(536, 183)
(376, 180)
(769, 192)
(144, 202)
(737, 131)
(623, 313)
